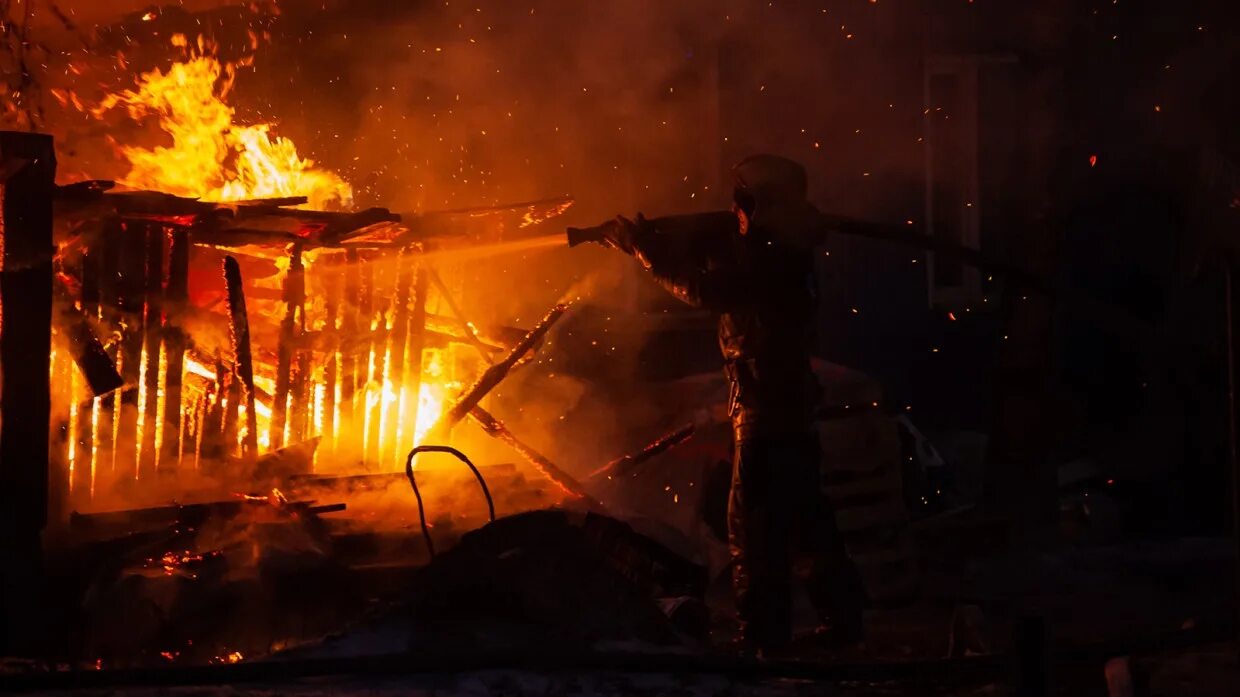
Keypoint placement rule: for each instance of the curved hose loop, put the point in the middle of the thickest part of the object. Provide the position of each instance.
(486, 491)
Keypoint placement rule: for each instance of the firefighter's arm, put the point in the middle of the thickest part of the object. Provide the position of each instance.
(718, 290)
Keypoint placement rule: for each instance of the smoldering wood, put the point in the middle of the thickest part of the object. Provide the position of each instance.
(379, 299)
(400, 336)
(213, 442)
(367, 357)
(417, 343)
(187, 514)
(294, 294)
(84, 453)
(625, 464)
(496, 429)
(109, 250)
(302, 392)
(348, 351)
(304, 384)
(295, 459)
(131, 284)
(94, 363)
(242, 357)
(377, 481)
(331, 360)
(26, 194)
(232, 410)
(175, 344)
(152, 342)
(494, 375)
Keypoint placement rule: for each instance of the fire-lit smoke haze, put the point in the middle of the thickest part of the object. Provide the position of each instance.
(430, 106)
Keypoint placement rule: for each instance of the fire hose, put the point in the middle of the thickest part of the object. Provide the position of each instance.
(426, 532)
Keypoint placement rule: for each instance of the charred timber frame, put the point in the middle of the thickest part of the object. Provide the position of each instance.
(131, 256)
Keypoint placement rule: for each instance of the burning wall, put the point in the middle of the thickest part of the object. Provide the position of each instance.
(349, 333)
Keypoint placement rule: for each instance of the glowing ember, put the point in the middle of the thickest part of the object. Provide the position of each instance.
(211, 156)
(174, 562)
(230, 657)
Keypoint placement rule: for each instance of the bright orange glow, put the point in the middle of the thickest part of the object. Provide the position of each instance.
(211, 156)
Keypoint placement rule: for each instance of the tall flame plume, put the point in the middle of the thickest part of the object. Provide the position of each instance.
(213, 157)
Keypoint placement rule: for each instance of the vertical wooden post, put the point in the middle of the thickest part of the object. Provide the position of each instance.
(378, 298)
(175, 342)
(243, 362)
(131, 281)
(366, 310)
(301, 387)
(332, 357)
(417, 342)
(400, 335)
(349, 349)
(109, 249)
(83, 461)
(153, 321)
(26, 193)
(213, 432)
(284, 351)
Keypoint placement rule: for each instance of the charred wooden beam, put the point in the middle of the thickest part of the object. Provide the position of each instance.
(92, 360)
(189, 514)
(28, 162)
(625, 464)
(417, 343)
(152, 341)
(212, 435)
(242, 358)
(109, 250)
(375, 312)
(294, 298)
(302, 391)
(348, 351)
(175, 344)
(331, 361)
(563, 480)
(131, 284)
(366, 355)
(399, 337)
(84, 451)
(494, 375)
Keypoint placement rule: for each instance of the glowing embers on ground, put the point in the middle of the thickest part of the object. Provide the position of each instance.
(211, 156)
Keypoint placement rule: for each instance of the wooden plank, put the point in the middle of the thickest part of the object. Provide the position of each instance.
(175, 343)
(366, 376)
(83, 462)
(284, 354)
(349, 353)
(417, 342)
(332, 281)
(381, 292)
(153, 321)
(243, 361)
(399, 343)
(109, 249)
(131, 284)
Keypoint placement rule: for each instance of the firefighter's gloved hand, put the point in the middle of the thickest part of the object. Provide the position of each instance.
(626, 234)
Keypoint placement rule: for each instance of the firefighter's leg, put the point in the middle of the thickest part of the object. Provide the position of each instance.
(758, 535)
(835, 583)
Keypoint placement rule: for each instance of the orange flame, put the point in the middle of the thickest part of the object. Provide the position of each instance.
(211, 156)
